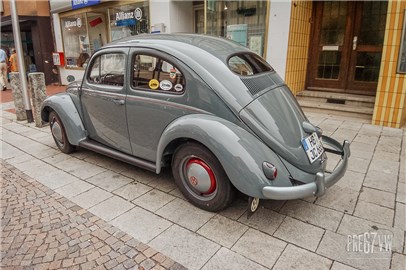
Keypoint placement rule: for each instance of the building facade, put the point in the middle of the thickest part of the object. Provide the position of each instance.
(36, 35)
(350, 47)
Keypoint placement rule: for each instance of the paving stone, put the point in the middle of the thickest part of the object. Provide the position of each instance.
(356, 164)
(109, 180)
(141, 224)
(381, 180)
(351, 180)
(111, 208)
(259, 247)
(374, 212)
(378, 197)
(79, 168)
(56, 179)
(362, 138)
(340, 266)
(132, 191)
(153, 200)
(291, 230)
(226, 259)
(222, 230)
(264, 220)
(401, 193)
(370, 130)
(91, 197)
(310, 213)
(351, 225)
(47, 231)
(297, 258)
(335, 247)
(235, 210)
(185, 247)
(364, 146)
(185, 214)
(339, 198)
(73, 189)
(382, 155)
(400, 216)
(398, 261)
(140, 175)
(385, 166)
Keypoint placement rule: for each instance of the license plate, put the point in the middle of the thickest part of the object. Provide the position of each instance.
(313, 147)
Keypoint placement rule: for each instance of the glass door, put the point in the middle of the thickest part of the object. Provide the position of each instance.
(347, 46)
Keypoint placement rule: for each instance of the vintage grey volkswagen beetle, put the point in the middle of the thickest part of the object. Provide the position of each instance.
(214, 111)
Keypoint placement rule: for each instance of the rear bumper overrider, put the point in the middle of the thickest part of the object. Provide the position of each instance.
(322, 182)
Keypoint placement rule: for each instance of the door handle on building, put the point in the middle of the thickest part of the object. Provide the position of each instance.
(354, 43)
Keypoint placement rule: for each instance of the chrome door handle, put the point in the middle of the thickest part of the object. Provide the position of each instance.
(119, 101)
(354, 43)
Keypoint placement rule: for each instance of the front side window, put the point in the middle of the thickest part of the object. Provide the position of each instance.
(108, 69)
(248, 64)
(155, 74)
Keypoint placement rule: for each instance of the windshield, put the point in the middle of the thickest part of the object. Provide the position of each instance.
(248, 64)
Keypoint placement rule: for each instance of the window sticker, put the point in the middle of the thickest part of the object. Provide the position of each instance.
(178, 87)
(153, 84)
(165, 85)
(172, 73)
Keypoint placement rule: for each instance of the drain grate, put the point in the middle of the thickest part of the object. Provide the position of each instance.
(336, 101)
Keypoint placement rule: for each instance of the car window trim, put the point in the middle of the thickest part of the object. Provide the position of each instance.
(98, 55)
(156, 54)
(249, 60)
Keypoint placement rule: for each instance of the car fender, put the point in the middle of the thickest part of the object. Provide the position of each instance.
(63, 105)
(240, 153)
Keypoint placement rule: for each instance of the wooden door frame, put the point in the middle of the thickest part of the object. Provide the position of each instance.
(353, 23)
(338, 85)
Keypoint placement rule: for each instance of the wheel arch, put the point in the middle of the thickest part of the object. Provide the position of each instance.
(239, 152)
(63, 105)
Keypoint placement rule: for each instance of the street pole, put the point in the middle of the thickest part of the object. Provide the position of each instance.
(20, 59)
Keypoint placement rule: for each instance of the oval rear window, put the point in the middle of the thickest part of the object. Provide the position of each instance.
(248, 64)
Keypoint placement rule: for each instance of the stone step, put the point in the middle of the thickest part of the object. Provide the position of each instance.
(336, 101)
(337, 96)
(337, 109)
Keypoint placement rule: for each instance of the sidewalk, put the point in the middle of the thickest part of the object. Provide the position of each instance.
(44, 230)
(323, 233)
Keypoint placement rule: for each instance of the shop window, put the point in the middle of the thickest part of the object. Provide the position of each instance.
(76, 43)
(154, 74)
(129, 20)
(242, 21)
(108, 69)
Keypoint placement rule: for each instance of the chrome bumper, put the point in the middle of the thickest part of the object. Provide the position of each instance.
(322, 182)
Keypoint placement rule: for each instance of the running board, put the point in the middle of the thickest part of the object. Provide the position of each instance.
(104, 150)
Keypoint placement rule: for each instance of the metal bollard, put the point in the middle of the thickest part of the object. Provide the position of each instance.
(37, 89)
(17, 92)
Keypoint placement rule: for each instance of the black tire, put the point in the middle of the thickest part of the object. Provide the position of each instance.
(191, 158)
(59, 134)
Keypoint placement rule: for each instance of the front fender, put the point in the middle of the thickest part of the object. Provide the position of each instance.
(63, 105)
(240, 153)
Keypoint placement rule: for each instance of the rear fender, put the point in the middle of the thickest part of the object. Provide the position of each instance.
(240, 153)
(63, 105)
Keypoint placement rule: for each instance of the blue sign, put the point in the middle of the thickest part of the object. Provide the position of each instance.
(76, 4)
(126, 22)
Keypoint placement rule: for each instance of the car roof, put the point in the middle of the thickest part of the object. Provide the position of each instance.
(217, 46)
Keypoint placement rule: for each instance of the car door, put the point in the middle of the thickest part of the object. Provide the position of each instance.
(158, 94)
(103, 98)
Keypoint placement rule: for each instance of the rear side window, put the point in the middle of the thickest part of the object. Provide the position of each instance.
(152, 73)
(248, 64)
(108, 69)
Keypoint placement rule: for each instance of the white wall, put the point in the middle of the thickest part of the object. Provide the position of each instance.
(278, 35)
(182, 16)
(177, 16)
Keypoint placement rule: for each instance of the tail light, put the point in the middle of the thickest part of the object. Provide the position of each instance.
(270, 170)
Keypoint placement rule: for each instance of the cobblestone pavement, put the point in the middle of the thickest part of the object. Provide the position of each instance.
(358, 224)
(43, 230)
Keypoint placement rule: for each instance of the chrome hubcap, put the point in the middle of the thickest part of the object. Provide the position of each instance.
(57, 132)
